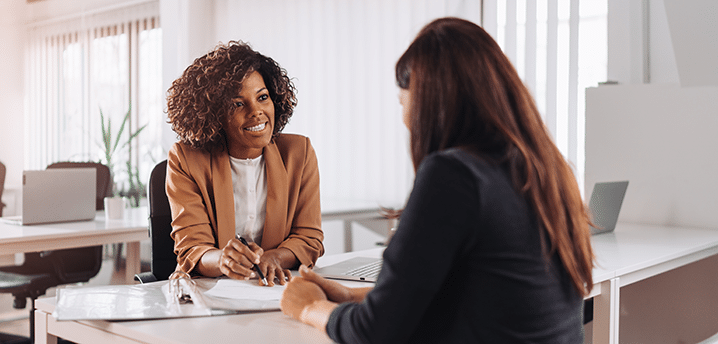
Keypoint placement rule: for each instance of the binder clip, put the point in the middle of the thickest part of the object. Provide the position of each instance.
(181, 287)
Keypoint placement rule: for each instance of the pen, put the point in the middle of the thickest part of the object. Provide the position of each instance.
(259, 272)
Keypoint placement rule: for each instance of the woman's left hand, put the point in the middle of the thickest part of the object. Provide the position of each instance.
(270, 263)
(299, 295)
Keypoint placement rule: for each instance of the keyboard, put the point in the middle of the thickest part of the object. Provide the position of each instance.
(370, 270)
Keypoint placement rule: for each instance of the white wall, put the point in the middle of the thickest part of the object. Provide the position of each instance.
(627, 41)
(662, 139)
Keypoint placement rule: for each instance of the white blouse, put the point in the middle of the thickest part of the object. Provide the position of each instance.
(249, 182)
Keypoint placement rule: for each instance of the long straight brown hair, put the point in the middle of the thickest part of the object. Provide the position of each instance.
(466, 93)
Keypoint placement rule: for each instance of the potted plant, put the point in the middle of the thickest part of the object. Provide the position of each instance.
(112, 144)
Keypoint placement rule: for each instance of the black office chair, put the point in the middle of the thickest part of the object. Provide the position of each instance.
(43, 270)
(164, 260)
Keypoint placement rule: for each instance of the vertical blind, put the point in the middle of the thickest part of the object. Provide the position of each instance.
(559, 48)
(106, 61)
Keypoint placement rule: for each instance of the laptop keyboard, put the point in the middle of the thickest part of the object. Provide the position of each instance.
(370, 270)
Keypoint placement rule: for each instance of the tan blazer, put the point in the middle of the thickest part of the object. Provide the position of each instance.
(199, 188)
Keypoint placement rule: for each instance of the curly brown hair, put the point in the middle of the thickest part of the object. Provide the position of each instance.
(201, 99)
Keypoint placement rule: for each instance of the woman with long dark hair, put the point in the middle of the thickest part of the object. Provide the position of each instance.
(493, 245)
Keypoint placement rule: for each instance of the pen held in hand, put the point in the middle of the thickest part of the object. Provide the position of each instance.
(256, 268)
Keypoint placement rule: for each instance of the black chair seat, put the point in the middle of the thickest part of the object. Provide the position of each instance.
(24, 286)
(12, 282)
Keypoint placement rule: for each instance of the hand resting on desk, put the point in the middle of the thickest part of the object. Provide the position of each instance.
(311, 298)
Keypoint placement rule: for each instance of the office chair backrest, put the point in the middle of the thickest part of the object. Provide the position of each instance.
(82, 263)
(164, 260)
(104, 178)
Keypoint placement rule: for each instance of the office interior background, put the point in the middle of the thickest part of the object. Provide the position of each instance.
(64, 62)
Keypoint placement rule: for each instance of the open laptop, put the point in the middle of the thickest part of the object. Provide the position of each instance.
(353, 269)
(56, 195)
(605, 205)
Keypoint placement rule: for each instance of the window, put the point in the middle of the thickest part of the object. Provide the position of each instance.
(100, 65)
(559, 48)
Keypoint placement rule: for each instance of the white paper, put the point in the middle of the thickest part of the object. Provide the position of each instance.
(244, 290)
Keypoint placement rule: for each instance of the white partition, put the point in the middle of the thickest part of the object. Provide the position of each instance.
(664, 140)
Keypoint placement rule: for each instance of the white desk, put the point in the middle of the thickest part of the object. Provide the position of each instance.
(350, 211)
(264, 327)
(33, 238)
(631, 254)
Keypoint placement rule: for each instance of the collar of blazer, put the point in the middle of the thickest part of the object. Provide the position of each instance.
(277, 197)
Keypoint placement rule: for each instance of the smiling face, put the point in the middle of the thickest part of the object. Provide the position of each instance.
(249, 127)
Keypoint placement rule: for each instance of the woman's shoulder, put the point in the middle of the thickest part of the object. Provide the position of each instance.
(293, 144)
(457, 158)
(183, 151)
(459, 163)
(291, 139)
(293, 150)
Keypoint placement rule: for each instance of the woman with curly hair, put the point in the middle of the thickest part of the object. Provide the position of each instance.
(233, 173)
(493, 245)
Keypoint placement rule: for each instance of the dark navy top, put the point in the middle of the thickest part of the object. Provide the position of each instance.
(465, 266)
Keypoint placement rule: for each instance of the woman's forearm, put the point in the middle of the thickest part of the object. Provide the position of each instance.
(208, 265)
(317, 314)
(283, 256)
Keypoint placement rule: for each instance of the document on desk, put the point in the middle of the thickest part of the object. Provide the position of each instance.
(153, 301)
(234, 289)
(237, 295)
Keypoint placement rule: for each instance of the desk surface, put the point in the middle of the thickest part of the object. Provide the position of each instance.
(634, 252)
(631, 253)
(33, 238)
(131, 229)
(350, 209)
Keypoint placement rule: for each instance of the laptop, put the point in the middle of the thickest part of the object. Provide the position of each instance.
(605, 205)
(353, 269)
(56, 195)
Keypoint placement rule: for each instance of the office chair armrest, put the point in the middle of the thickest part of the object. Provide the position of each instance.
(145, 277)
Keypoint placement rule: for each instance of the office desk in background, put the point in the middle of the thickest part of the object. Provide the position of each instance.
(628, 255)
(634, 253)
(131, 229)
(350, 211)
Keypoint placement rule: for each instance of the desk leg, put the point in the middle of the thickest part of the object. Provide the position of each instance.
(348, 236)
(132, 263)
(606, 311)
(41, 335)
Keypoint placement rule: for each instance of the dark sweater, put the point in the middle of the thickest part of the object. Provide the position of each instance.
(465, 266)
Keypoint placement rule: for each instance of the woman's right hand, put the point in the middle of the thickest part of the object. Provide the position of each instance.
(334, 290)
(237, 260)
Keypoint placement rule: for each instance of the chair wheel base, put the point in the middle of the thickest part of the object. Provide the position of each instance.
(19, 303)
